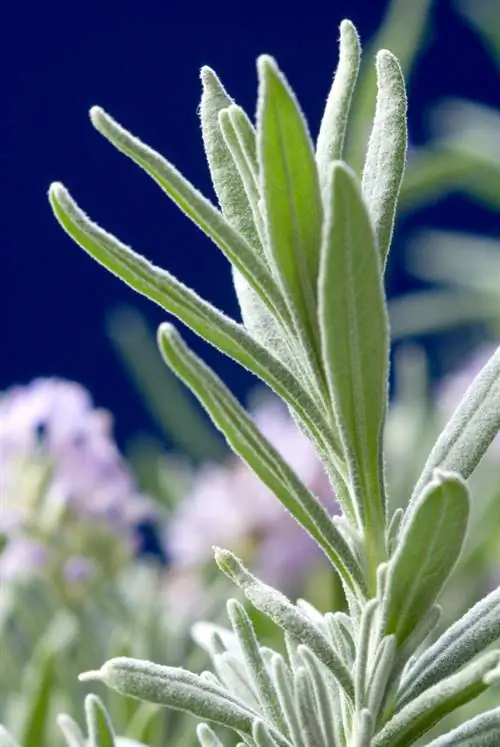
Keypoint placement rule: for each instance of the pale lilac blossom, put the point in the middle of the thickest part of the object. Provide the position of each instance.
(63, 481)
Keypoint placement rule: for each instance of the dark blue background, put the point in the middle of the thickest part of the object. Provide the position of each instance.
(140, 61)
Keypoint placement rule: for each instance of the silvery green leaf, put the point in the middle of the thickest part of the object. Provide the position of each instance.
(333, 127)
(230, 147)
(355, 346)
(283, 681)
(71, 731)
(165, 290)
(198, 208)
(340, 637)
(425, 626)
(428, 549)
(472, 427)
(364, 729)
(325, 696)
(282, 612)
(5, 738)
(98, 723)
(481, 731)
(232, 673)
(261, 735)
(421, 714)
(386, 155)
(392, 533)
(292, 203)
(176, 688)
(226, 177)
(381, 674)
(362, 651)
(306, 708)
(465, 639)
(247, 441)
(259, 676)
(207, 737)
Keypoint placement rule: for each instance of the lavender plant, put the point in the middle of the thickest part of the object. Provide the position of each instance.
(308, 240)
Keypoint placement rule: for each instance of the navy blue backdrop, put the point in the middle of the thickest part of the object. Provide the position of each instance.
(140, 61)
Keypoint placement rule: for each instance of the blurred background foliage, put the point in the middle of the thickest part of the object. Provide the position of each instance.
(103, 554)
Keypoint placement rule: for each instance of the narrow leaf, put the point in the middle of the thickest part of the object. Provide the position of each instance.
(472, 427)
(355, 345)
(247, 441)
(261, 735)
(176, 688)
(98, 723)
(282, 612)
(198, 208)
(428, 549)
(433, 705)
(165, 290)
(323, 694)
(386, 155)
(207, 737)
(481, 731)
(255, 664)
(330, 143)
(72, 732)
(306, 709)
(293, 208)
(465, 639)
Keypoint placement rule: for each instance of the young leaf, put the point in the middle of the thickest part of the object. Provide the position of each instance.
(481, 731)
(242, 626)
(207, 737)
(72, 732)
(98, 723)
(465, 639)
(322, 688)
(176, 688)
(293, 208)
(333, 127)
(428, 549)
(159, 286)
(433, 705)
(355, 346)
(283, 613)
(247, 441)
(305, 705)
(198, 208)
(472, 427)
(386, 155)
(261, 735)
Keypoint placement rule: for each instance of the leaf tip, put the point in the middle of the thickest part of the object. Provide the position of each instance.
(91, 676)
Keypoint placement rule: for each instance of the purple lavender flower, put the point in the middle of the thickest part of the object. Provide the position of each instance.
(229, 506)
(63, 482)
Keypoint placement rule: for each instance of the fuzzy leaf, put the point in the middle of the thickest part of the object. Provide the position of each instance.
(247, 441)
(98, 723)
(306, 709)
(71, 731)
(472, 427)
(481, 731)
(176, 688)
(243, 628)
(386, 155)
(198, 208)
(355, 345)
(465, 639)
(322, 688)
(261, 735)
(207, 737)
(433, 705)
(333, 127)
(428, 549)
(284, 614)
(165, 290)
(292, 199)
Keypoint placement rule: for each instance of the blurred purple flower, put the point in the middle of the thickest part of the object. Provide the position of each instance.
(454, 386)
(58, 459)
(229, 506)
(22, 556)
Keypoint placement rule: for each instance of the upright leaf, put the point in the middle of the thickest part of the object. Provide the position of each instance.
(481, 731)
(292, 201)
(355, 346)
(98, 723)
(386, 155)
(472, 427)
(428, 549)
(333, 127)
